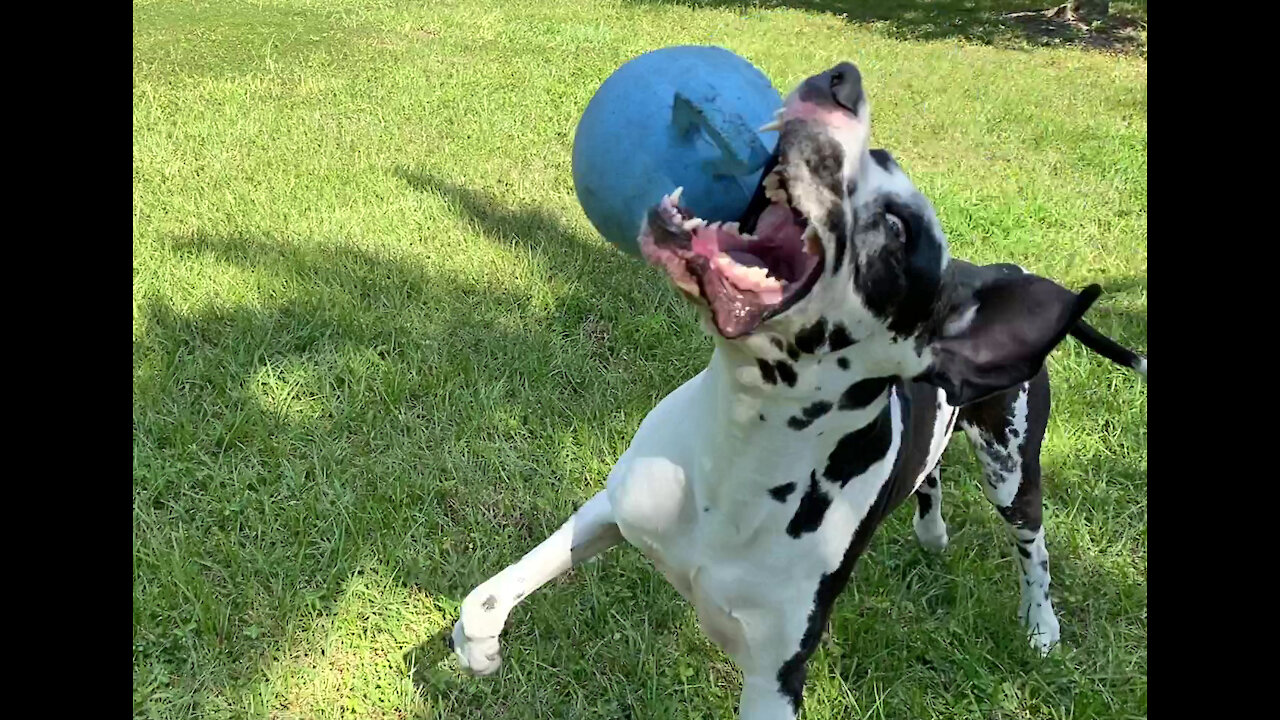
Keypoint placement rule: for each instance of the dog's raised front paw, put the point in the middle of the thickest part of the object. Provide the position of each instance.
(479, 656)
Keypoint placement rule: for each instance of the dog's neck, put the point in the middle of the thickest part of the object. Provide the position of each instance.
(756, 437)
(757, 389)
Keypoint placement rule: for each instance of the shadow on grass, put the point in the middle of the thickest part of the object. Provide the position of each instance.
(1007, 23)
(374, 409)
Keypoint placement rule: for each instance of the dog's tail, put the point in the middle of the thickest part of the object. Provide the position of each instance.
(1108, 348)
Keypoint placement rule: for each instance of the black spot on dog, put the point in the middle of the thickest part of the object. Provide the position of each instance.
(793, 352)
(1044, 565)
(791, 674)
(813, 506)
(1002, 460)
(812, 337)
(782, 492)
(519, 596)
(881, 277)
(777, 342)
(1023, 552)
(994, 417)
(921, 272)
(791, 677)
(766, 372)
(786, 373)
(1021, 515)
(863, 393)
(706, 508)
(810, 413)
(860, 449)
(825, 165)
(839, 338)
(843, 363)
(931, 481)
(883, 159)
(835, 225)
(926, 503)
(489, 603)
(761, 417)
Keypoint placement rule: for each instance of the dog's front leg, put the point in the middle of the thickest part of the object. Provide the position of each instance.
(779, 643)
(588, 532)
(762, 699)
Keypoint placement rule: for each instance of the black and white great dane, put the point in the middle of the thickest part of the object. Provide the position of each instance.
(848, 347)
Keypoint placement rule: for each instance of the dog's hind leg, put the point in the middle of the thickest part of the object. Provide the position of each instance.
(588, 532)
(930, 529)
(1005, 431)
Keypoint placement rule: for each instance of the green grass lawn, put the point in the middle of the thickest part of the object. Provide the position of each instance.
(379, 353)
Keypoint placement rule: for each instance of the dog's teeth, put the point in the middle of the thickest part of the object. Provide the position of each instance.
(693, 223)
(731, 227)
(810, 239)
(675, 194)
(771, 126)
(773, 188)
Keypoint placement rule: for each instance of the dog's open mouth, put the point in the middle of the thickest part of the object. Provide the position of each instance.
(746, 271)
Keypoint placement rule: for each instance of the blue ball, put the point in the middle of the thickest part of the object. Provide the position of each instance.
(683, 116)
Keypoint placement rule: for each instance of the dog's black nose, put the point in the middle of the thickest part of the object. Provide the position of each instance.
(840, 86)
(846, 86)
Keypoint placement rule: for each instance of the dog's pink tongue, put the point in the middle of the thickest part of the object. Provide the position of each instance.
(777, 223)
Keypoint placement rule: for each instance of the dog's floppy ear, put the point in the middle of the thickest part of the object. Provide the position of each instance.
(999, 334)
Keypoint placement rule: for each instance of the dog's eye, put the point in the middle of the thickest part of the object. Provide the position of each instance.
(897, 229)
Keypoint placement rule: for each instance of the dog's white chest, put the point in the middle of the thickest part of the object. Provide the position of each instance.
(720, 544)
(735, 518)
(713, 561)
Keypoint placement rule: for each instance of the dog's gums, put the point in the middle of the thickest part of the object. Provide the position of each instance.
(744, 277)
